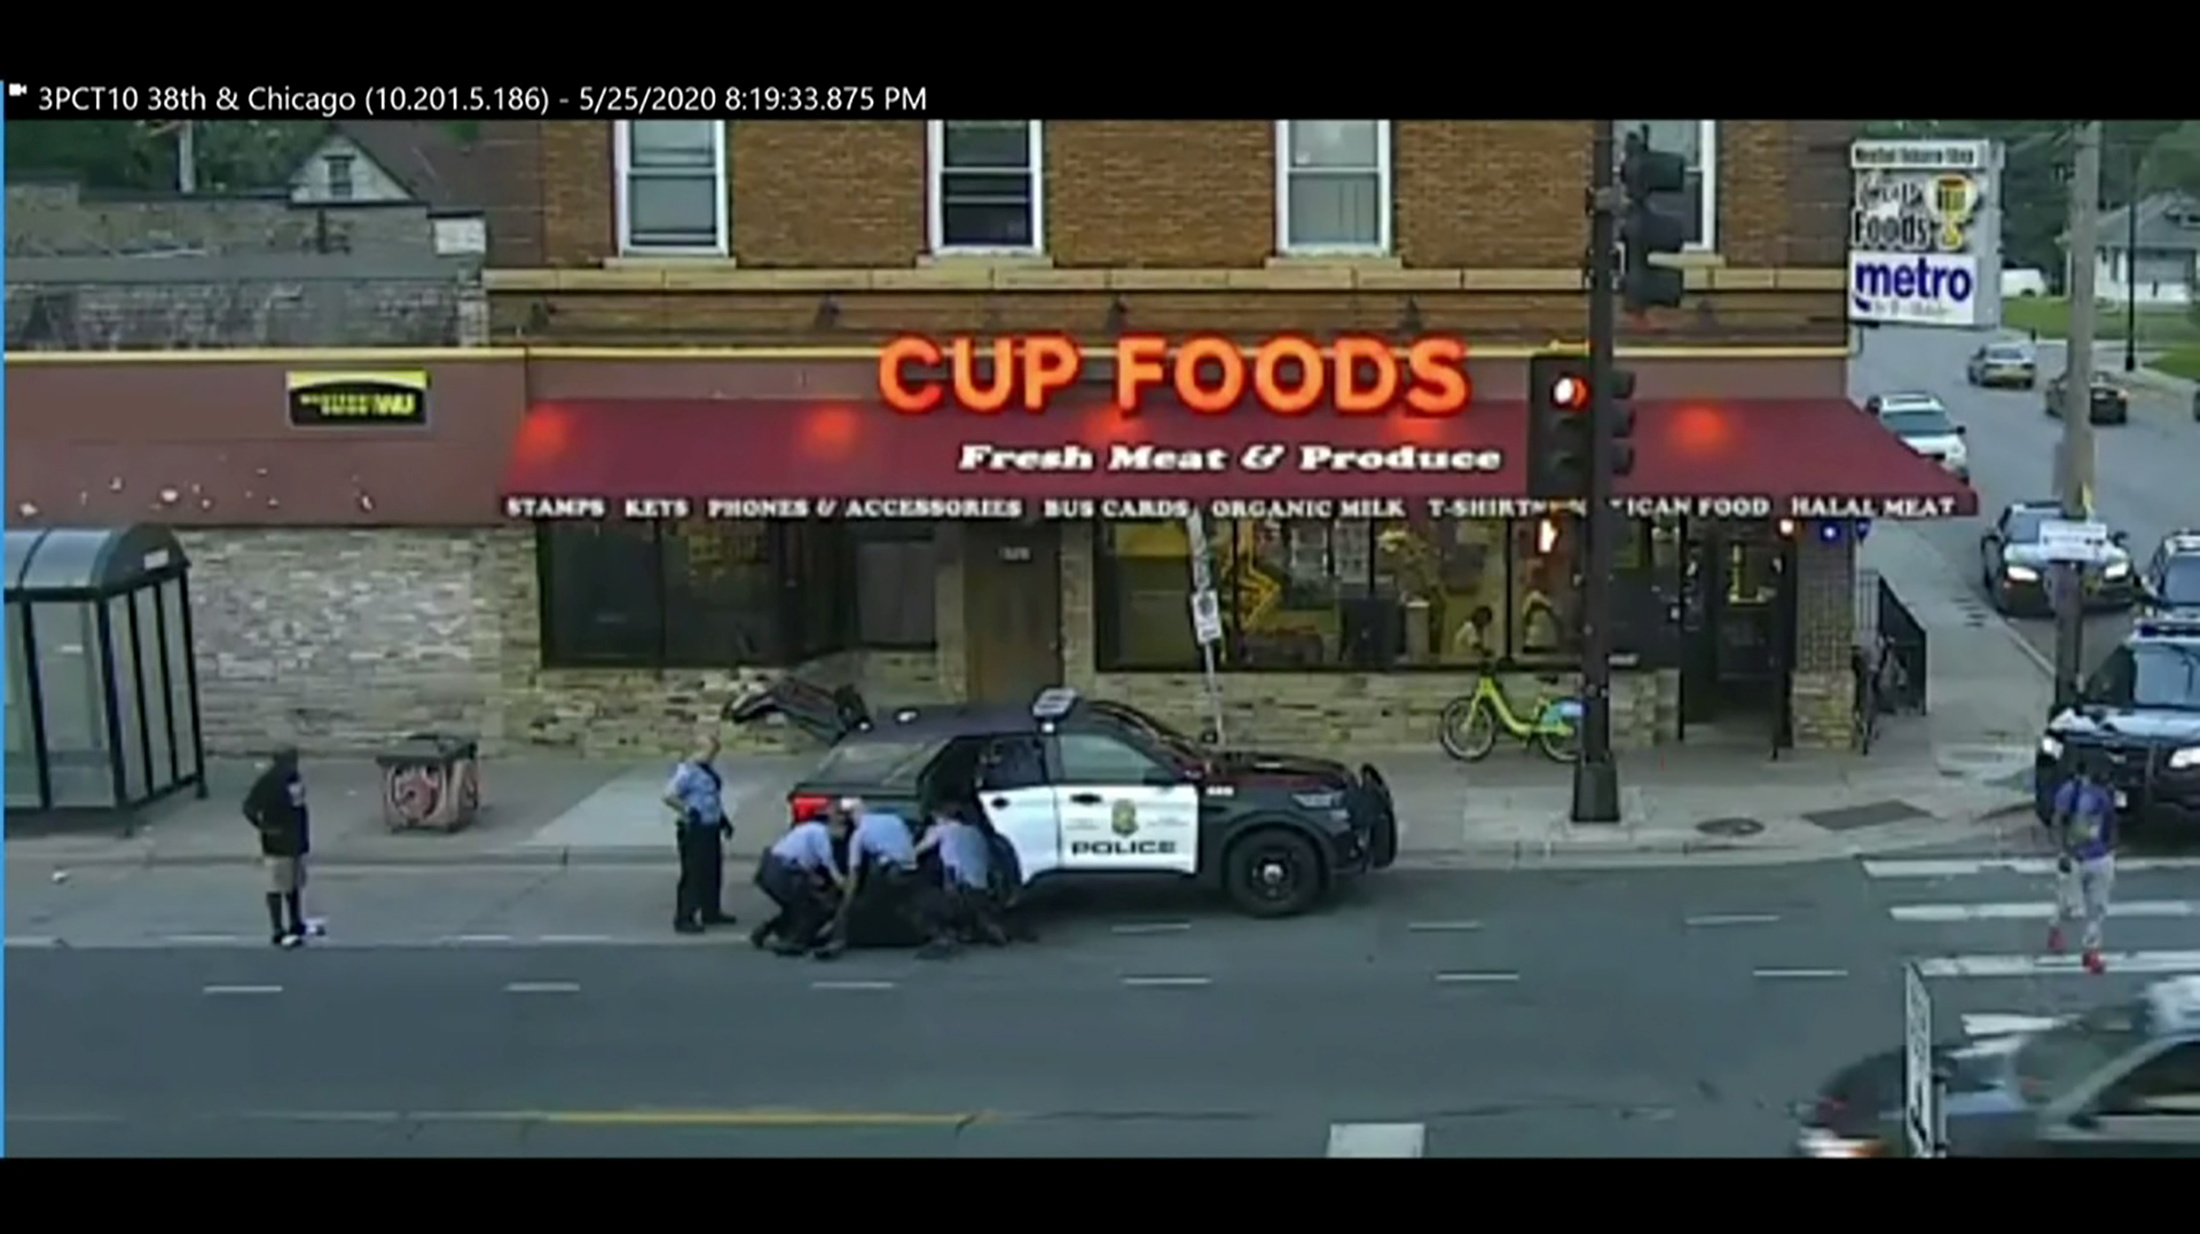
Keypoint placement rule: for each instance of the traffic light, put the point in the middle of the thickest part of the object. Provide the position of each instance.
(1645, 230)
(1623, 422)
(1559, 442)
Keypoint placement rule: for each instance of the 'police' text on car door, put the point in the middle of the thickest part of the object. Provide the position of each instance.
(1121, 809)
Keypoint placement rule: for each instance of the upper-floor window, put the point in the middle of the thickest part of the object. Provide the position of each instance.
(671, 186)
(1333, 186)
(1697, 141)
(986, 186)
(338, 169)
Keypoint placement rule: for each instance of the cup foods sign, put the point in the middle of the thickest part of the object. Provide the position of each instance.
(1925, 233)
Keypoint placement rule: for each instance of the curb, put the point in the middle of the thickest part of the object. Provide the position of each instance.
(1483, 855)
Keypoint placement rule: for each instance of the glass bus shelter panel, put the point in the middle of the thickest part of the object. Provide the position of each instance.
(154, 692)
(22, 749)
(175, 630)
(75, 696)
(129, 699)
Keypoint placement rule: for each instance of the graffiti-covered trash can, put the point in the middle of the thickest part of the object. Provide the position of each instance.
(431, 781)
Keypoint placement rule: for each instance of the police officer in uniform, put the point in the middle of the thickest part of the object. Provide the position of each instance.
(884, 895)
(966, 909)
(801, 875)
(696, 795)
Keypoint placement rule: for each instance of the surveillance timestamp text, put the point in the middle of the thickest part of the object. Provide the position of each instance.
(469, 102)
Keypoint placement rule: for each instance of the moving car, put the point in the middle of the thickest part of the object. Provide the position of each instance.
(2111, 403)
(2139, 715)
(2010, 362)
(2121, 1080)
(1923, 425)
(2014, 570)
(2169, 587)
(1079, 786)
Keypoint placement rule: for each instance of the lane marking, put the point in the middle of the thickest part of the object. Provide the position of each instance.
(638, 1118)
(1954, 868)
(1731, 919)
(542, 987)
(1442, 927)
(1150, 927)
(2145, 962)
(469, 939)
(1483, 978)
(1800, 974)
(851, 985)
(66, 1119)
(220, 990)
(1377, 1139)
(1165, 982)
(205, 940)
(33, 940)
(1990, 1024)
(574, 940)
(2037, 910)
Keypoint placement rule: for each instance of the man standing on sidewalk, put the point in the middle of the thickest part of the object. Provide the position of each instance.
(276, 808)
(697, 795)
(2084, 826)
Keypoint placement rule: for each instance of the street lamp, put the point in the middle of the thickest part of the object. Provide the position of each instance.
(2131, 258)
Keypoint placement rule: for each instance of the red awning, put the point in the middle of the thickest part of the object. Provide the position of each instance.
(1782, 458)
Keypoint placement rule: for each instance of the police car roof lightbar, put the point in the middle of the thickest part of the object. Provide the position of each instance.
(1053, 703)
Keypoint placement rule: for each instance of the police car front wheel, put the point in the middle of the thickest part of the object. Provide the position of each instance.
(1273, 872)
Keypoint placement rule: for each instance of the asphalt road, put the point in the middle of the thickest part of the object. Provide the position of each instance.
(1503, 1014)
(2143, 470)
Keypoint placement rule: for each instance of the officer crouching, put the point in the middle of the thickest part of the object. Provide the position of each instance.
(886, 904)
(966, 910)
(803, 880)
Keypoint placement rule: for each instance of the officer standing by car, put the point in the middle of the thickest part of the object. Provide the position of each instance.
(696, 795)
(2084, 825)
(801, 875)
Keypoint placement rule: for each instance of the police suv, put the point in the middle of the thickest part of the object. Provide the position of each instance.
(2169, 587)
(1073, 785)
(2139, 714)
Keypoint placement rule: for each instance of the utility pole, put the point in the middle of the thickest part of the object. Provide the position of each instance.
(2131, 257)
(187, 158)
(1596, 775)
(2075, 478)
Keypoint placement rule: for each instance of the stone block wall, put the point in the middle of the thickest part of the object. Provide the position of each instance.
(1822, 697)
(339, 640)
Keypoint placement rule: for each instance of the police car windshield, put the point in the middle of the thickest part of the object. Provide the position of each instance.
(2051, 1063)
(2163, 676)
(2181, 580)
(876, 764)
(2024, 525)
(1918, 422)
(1146, 726)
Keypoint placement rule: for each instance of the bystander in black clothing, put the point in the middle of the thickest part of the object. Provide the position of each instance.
(276, 808)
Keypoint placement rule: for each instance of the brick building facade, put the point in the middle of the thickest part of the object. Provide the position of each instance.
(661, 294)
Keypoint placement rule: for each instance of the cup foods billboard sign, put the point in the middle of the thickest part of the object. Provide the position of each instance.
(1925, 233)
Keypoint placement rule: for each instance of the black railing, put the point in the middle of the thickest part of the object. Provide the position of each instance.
(1902, 648)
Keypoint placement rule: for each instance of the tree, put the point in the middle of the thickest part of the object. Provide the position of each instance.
(2173, 162)
(232, 155)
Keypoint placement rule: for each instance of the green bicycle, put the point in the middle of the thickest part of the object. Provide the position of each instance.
(1468, 726)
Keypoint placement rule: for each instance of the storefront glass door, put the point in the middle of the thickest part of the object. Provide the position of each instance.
(1737, 629)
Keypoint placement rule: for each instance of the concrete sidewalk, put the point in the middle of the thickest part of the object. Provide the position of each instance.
(1958, 773)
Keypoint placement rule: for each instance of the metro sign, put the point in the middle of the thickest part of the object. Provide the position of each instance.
(1287, 375)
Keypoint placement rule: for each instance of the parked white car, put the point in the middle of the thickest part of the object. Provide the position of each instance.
(2020, 282)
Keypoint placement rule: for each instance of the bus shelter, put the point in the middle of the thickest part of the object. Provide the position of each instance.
(103, 690)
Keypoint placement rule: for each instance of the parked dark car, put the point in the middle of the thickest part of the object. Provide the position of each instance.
(2111, 403)
(2015, 571)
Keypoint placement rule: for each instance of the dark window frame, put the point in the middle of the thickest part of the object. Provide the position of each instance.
(1642, 575)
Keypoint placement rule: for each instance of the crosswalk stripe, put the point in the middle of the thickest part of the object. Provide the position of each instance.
(2040, 866)
(2142, 962)
(1378, 1139)
(1995, 1024)
(2036, 910)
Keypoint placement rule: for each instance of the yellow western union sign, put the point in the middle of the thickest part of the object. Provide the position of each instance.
(391, 398)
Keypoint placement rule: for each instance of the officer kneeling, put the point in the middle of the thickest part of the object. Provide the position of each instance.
(966, 909)
(886, 904)
(802, 878)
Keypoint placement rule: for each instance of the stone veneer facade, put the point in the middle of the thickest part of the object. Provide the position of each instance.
(342, 639)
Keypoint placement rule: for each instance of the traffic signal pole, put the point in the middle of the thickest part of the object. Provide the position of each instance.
(1596, 775)
(2075, 470)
